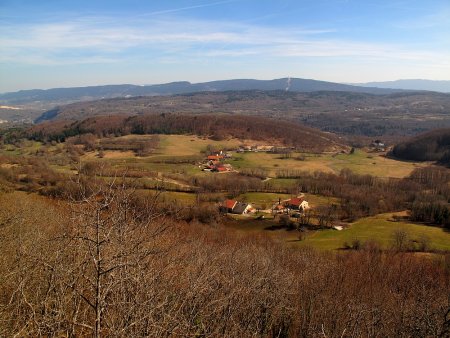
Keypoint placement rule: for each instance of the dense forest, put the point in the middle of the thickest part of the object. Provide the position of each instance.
(216, 126)
(431, 146)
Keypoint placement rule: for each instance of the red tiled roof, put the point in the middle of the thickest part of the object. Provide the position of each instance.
(295, 201)
(229, 204)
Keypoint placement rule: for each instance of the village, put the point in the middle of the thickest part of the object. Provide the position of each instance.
(215, 161)
(293, 207)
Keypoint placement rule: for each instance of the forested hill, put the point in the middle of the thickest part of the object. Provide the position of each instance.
(431, 146)
(337, 112)
(126, 90)
(217, 126)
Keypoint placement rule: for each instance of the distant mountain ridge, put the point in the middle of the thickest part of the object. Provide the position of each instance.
(413, 84)
(183, 87)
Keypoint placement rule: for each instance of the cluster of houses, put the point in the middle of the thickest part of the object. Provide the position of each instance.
(293, 206)
(262, 148)
(215, 163)
(254, 148)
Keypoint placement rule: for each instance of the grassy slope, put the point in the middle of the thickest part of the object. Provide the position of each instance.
(179, 146)
(379, 228)
(360, 162)
(374, 164)
(185, 145)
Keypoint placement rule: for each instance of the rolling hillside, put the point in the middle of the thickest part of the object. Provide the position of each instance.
(217, 126)
(338, 112)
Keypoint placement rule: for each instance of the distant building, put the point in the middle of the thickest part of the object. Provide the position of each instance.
(235, 207)
(297, 203)
(228, 205)
(378, 145)
(242, 208)
(215, 157)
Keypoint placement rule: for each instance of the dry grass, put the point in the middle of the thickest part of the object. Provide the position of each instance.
(360, 162)
(186, 145)
(110, 154)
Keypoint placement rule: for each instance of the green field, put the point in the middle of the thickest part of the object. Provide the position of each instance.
(179, 153)
(379, 228)
(260, 199)
(359, 162)
(376, 164)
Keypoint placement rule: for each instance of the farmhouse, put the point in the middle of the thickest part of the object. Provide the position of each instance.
(228, 205)
(235, 207)
(296, 203)
(242, 208)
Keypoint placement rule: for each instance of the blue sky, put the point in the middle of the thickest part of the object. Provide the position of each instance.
(45, 44)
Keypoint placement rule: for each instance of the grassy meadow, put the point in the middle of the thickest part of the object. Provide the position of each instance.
(360, 162)
(379, 228)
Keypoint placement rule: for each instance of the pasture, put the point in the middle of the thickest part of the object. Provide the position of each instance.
(379, 228)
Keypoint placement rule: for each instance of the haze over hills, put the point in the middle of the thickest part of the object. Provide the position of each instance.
(126, 90)
(412, 84)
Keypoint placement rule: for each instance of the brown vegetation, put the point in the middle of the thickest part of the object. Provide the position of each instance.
(431, 146)
(338, 112)
(216, 126)
(110, 267)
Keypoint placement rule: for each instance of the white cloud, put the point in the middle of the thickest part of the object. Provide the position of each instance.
(97, 40)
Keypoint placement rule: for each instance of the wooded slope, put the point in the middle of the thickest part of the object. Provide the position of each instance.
(217, 126)
(431, 146)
